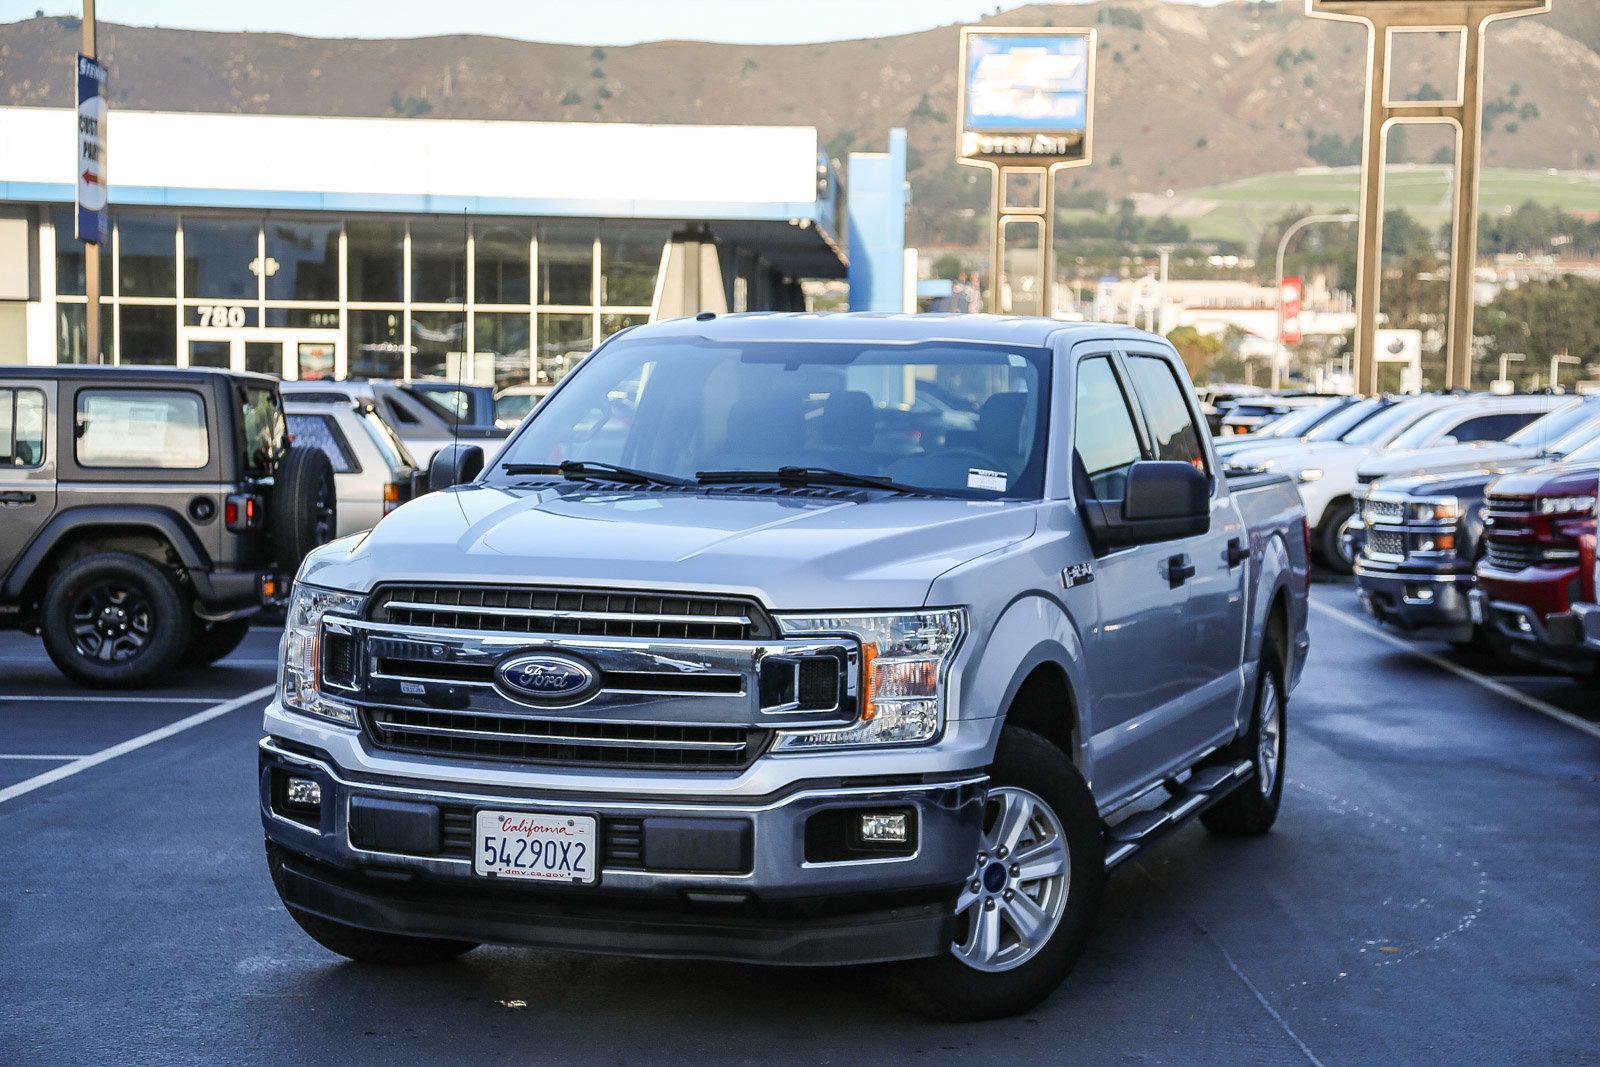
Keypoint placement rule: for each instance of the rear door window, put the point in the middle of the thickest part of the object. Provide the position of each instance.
(1495, 427)
(321, 432)
(1104, 440)
(157, 428)
(263, 429)
(1173, 433)
(21, 428)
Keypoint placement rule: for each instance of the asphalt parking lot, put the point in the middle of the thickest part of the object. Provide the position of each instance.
(1429, 894)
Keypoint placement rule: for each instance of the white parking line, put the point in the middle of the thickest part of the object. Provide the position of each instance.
(1498, 688)
(83, 763)
(7, 755)
(80, 698)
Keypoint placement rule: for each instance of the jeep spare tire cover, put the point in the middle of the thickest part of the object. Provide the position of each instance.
(304, 510)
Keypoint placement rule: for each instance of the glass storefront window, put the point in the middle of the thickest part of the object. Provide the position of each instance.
(566, 264)
(304, 318)
(69, 260)
(438, 340)
(210, 354)
(376, 253)
(630, 259)
(438, 263)
(72, 323)
(500, 273)
(611, 323)
(147, 255)
(563, 341)
(503, 339)
(377, 344)
(219, 258)
(149, 335)
(302, 260)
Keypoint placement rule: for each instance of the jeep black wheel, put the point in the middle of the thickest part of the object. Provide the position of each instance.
(114, 619)
(211, 641)
(304, 510)
(1023, 917)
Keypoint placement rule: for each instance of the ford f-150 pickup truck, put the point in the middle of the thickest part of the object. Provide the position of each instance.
(738, 652)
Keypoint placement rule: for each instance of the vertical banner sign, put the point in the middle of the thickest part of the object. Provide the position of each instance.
(93, 226)
(1292, 297)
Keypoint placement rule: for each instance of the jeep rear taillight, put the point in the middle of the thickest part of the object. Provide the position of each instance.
(242, 512)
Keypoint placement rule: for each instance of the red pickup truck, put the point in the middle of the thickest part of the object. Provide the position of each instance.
(1540, 565)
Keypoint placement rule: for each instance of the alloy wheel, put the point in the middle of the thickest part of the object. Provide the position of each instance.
(111, 622)
(1269, 739)
(1018, 890)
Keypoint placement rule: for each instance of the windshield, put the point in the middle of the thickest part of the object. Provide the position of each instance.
(1425, 430)
(1554, 425)
(1343, 421)
(1577, 438)
(1386, 424)
(1294, 423)
(961, 419)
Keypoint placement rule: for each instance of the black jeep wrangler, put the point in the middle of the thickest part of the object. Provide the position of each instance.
(146, 513)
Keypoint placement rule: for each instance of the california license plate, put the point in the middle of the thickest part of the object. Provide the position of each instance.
(536, 846)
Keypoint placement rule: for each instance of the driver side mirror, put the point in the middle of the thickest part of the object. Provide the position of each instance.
(1164, 500)
(454, 465)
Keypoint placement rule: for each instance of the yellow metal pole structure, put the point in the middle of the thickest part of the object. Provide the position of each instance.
(91, 249)
(1464, 231)
(1369, 246)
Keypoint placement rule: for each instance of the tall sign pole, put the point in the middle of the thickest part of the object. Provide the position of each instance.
(91, 223)
(1387, 22)
(1027, 110)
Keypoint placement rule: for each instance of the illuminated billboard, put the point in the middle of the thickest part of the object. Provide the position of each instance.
(1026, 95)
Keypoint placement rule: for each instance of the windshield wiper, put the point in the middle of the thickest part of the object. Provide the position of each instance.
(594, 470)
(811, 476)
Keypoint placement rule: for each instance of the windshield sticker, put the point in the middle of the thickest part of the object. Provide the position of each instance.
(994, 481)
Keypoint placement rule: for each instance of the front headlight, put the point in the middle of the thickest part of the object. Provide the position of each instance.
(1440, 509)
(1566, 505)
(1310, 474)
(904, 657)
(301, 667)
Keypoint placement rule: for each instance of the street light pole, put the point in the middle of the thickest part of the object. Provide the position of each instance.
(91, 249)
(1280, 357)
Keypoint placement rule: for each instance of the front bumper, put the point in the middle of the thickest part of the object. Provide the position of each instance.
(1423, 603)
(1587, 617)
(1556, 640)
(770, 900)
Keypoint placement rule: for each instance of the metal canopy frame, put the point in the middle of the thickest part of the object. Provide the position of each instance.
(1384, 19)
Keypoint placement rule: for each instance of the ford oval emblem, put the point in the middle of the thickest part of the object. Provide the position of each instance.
(544, 677)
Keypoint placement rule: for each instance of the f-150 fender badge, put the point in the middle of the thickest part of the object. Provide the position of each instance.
(1077, 574)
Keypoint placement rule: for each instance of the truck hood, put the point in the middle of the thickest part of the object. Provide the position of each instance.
(1444, 458)
(1463, 482)
(793, 552)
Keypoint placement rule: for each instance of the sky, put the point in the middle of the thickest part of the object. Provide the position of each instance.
(602, 22)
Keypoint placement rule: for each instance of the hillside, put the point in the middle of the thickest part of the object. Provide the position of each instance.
(1188, 97)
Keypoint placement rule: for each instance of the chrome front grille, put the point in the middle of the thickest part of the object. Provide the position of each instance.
(1381, 510)
(576, 612)
(498, 737)
(1386, 544)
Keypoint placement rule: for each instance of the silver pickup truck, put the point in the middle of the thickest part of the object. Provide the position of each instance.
(794, 639)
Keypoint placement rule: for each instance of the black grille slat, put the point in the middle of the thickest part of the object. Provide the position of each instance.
(667, 746)
(541, 610)
(1513, 555)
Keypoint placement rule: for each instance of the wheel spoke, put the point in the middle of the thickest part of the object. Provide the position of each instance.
(967, 899)
(986, 935)
(1026, 917)
(1047, 859)
(1015, 813)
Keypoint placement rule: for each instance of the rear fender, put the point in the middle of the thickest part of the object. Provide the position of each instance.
(104, 521)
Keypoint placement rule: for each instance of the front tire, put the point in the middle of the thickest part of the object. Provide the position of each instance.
(1025, 915)
(1330, 538)
(114, 619)
(1252, 808)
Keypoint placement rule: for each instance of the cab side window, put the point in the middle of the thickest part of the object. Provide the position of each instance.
(21, 428)
(1104, 441)
(1173, 433)
(1493, 427)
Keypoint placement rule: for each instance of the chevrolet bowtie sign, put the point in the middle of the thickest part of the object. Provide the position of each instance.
(1026, 95)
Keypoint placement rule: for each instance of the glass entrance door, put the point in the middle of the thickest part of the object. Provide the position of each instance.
(307, 355)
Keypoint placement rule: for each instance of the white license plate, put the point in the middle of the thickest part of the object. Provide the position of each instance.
(537, 846)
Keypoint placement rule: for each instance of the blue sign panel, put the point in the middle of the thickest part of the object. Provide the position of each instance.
(1027, 83)
(93, 225)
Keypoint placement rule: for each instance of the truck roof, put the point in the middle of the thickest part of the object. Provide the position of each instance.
(878, 326)
(126, 372)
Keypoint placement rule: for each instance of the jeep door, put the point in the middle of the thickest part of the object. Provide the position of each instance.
(27, 463)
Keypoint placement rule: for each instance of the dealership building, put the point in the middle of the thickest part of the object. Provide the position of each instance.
(316, 247)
